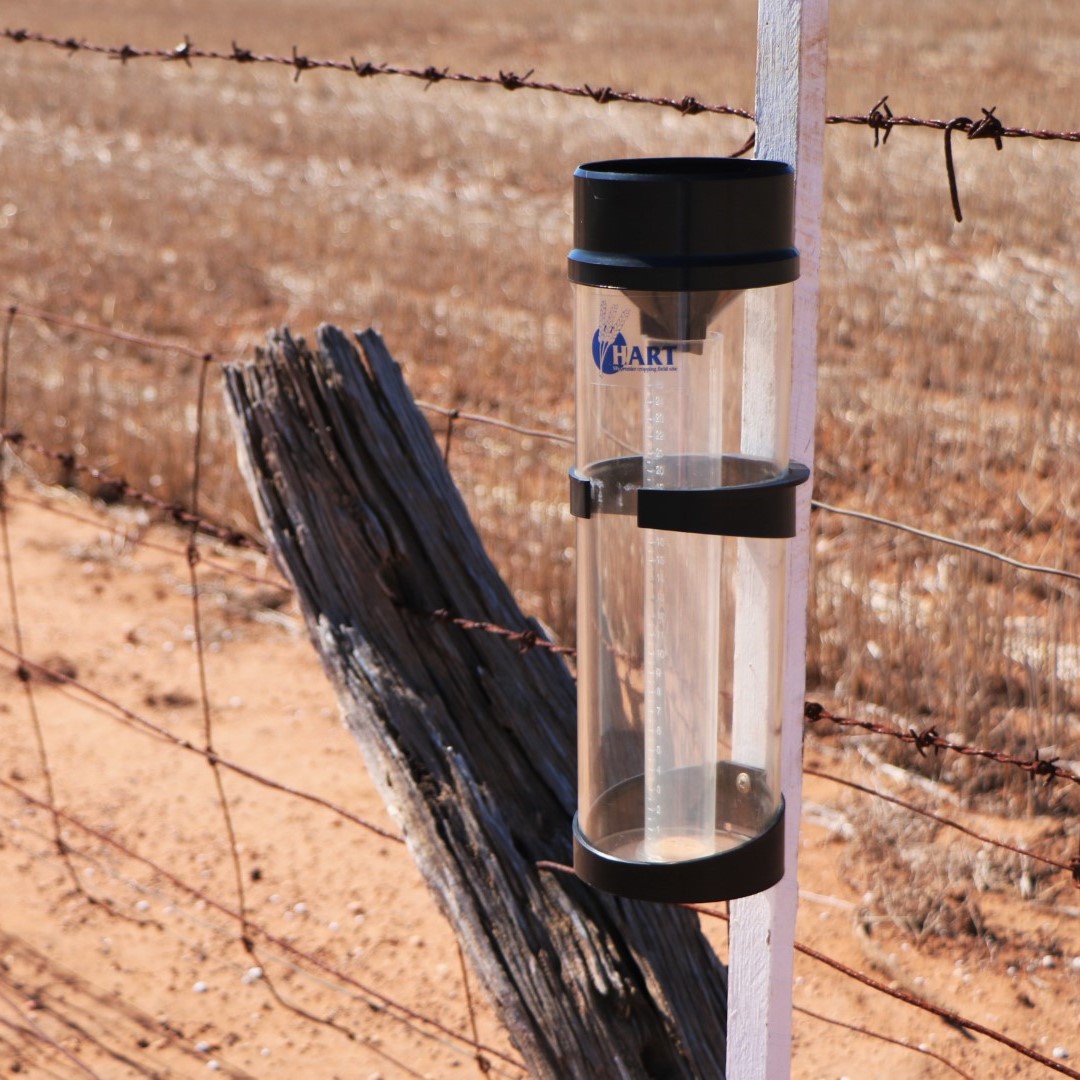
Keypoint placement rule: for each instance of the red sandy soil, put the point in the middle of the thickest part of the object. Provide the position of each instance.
(132, 975)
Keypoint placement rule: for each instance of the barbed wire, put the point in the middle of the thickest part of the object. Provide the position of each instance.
(524, 639)
(430, 75)
(929, 739)
(117, 488)
(880, 118)
(179, 513)
(138, 539)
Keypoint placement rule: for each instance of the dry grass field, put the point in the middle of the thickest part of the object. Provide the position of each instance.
(209, 204)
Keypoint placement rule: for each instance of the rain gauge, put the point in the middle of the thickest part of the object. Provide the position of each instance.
(684, 496)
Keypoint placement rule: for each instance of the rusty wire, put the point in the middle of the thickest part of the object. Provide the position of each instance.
(111, 707)
(859, 976)
(40, 745)
(880, 118)
(1072, 868)
(529, 638)
(929, 739)
(392, 1008)
(883, 1038)
(525, 639)
(121, 489)
(454, 416)
(35, 1031)
(138, 539)
(430, 75)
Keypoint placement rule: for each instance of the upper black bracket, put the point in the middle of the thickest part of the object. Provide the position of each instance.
(757, 503)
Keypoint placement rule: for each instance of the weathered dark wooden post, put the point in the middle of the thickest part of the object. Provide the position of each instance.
(470, 741)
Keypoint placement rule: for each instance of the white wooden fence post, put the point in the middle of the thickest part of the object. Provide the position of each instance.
(790, 107)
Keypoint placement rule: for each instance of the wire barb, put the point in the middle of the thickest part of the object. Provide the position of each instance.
(301, 63)
(182, 51)
(989, 127)
(880, 118)
(509, 81)
(928, 738)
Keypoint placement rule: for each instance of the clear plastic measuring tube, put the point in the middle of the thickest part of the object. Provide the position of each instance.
(679, 477)
(681, 623)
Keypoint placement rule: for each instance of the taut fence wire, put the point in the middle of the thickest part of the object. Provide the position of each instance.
(253, 936)
(928, 739)
(183, 515)
(953, 1018)
(879, 118)
(382, 1000)
(523, 639)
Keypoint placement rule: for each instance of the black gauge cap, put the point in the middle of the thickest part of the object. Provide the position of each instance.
(684, 224)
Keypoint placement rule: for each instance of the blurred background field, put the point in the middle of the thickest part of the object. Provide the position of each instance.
(207, 205)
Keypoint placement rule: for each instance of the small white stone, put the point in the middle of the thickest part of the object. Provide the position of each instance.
(213, 1064)
(200, 987)
(265, 1051)
(142, 905)
(252, 975)
(273, 898)
(1059, 1052)
(333, 926)
(202, 1047)
(300, 908)
(1048, 962)
(1012, 969)
(1074, 963)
